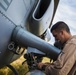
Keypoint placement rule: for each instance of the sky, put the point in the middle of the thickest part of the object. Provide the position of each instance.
(66, 12)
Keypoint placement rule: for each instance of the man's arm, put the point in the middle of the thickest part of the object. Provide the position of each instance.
(64, 63)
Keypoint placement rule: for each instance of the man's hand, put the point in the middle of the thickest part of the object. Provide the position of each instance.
(43, 65)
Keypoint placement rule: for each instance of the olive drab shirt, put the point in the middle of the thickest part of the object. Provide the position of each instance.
(66, 62)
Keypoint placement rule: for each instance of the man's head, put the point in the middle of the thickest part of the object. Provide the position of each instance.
(61, 31)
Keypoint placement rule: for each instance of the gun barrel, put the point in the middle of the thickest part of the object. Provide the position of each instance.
(25, 38)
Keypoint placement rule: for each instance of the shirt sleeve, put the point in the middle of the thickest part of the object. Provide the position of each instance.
(64, 63)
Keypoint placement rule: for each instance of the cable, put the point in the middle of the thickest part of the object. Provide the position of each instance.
(13, 69)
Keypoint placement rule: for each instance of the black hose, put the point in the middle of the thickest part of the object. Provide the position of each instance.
(13, 69)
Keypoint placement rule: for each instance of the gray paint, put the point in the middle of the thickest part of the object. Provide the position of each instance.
(12, 13)
(15, 13)
(6, 29)
(41, 17)
(35, 72)
(25, 38)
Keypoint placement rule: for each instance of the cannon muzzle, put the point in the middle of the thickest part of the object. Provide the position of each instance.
(25, 38)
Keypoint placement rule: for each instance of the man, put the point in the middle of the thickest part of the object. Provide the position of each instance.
(66, 61)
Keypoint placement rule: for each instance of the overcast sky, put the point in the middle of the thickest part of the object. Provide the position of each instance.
(67, 12)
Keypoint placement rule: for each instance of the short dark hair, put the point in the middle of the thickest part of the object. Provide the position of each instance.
(59, 26)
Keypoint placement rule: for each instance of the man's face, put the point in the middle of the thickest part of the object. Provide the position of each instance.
(59, 36)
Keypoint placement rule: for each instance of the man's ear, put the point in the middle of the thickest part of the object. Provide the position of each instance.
(62, 32)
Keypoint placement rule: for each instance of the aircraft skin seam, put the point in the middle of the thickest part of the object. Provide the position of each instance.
(7, 18)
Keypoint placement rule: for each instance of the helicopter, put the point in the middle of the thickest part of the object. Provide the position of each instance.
(23, 24)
